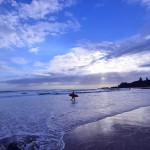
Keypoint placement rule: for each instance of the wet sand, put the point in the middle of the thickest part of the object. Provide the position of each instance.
(127, 131)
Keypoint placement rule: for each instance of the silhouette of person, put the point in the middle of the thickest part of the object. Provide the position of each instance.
(73, 97)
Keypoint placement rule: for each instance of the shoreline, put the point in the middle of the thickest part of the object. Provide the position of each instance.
(129, 130)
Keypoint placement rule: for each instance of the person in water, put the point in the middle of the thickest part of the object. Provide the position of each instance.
(73, 97)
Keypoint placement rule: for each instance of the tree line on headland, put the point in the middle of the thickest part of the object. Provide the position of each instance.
(135, 84)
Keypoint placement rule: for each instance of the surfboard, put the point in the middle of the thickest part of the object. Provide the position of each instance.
(73, 95)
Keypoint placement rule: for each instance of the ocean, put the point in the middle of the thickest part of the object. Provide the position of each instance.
(42, 117)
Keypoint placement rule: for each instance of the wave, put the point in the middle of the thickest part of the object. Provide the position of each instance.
(53, 92)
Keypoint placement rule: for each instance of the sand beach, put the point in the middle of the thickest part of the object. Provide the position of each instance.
(126, 131)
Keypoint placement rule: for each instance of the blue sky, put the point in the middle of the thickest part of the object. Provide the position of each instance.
(48, 44)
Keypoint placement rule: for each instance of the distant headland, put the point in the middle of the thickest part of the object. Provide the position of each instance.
(135, 84)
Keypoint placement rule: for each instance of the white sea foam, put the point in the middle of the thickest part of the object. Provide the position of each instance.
(33, 119)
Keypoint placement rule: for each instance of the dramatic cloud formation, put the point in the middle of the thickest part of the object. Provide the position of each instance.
(75, 61)
(94, 64)
(105, 57)
(50, 44)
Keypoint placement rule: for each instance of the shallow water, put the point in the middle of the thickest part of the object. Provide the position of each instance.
(40, 118)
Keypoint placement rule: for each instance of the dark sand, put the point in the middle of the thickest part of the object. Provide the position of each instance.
(127, 131)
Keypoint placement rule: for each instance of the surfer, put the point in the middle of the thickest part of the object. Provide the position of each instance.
(73, 95)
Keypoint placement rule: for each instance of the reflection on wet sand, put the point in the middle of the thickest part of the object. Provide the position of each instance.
(127, 131)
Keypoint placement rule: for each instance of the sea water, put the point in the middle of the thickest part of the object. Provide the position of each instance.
(41, 118)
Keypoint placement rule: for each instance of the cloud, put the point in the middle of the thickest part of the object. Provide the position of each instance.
(68, 14)
(125, 63)
(19, 60)
(4, 66)
(133, 45)
(38, 64)
(75, 61)
(85, 62)
(27, 24)
(104, 57)
(58, 80)
(1, 1)
(102, 63)
(38, 32)
(76, 81)
(91, 79)
(30, 34)
(142, 2)
(40, 8)
(147, 65)
(34, 50)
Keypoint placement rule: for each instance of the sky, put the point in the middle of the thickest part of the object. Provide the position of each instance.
(71, 44)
